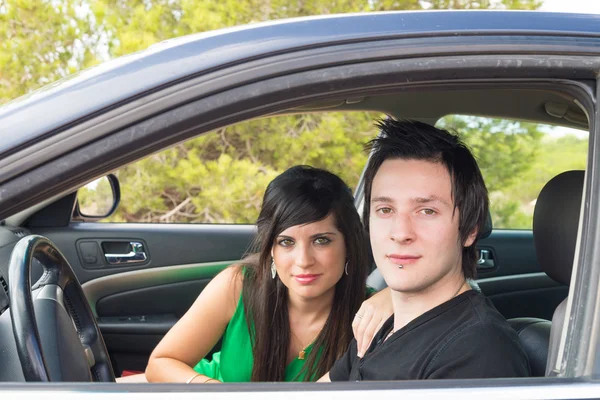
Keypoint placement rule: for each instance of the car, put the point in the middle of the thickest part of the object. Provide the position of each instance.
(85, 300)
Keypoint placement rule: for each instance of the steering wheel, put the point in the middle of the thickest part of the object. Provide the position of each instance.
(56, 334)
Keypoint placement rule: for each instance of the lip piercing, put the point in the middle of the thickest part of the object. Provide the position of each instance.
(400, 266)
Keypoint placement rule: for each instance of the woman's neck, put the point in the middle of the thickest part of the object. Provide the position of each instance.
(312, 310)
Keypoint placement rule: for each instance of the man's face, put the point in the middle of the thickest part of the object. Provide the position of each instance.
(413, 224)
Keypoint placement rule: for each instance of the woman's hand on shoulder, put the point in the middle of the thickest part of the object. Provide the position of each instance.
(370, 318)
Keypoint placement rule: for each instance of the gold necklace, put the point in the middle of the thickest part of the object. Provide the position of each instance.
(302, 353)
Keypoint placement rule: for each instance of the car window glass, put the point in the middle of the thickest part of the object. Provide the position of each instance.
(220, 177)
(516, 159)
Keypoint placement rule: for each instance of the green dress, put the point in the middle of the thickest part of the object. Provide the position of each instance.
(234, 362)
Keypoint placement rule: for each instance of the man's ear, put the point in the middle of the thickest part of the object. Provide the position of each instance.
(471, 238)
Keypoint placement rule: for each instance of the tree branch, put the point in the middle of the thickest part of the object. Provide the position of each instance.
(174, 211)
(249, 149)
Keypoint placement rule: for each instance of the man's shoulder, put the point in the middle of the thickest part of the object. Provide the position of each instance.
(484, 311)
(480, 315)
(474, 324)
(483, 340)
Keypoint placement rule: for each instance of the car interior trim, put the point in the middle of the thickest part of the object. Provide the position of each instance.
(515, 283)
(467, 389)
(576, 355)
(98, 288)
(582, 335)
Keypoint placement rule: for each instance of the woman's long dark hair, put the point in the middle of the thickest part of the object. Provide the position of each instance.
(299, 196)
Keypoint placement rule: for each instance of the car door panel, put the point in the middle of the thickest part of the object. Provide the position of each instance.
(165, 244)
(136, 304)
(516, 285)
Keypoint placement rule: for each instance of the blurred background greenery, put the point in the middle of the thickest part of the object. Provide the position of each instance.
(220, 177)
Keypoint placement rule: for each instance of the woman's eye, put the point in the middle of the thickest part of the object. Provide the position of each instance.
(286, 242)
(322, 240)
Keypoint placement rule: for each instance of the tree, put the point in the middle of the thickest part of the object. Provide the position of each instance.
(134, 25)
(45, 40)
(218, 177)
(516, 159)
(42, 41)
(504, 149)
(236, 154)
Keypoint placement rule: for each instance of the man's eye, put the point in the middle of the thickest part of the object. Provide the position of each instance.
(384, 210)
(428, 211)
(322, 240)
(286, 242)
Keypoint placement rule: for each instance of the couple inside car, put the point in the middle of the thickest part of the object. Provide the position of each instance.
(299, 309)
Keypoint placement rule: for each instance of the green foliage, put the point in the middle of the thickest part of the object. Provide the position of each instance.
(516, 160)
(192, 190)
(508, 213)
(385, 5)
(504, 149)
(330, 141)
(134, 25)
(220, 177)
(555, 155)
(41, 41)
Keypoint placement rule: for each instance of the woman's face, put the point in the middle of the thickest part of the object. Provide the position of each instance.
(310, 258)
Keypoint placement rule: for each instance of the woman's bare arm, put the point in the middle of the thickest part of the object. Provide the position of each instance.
(195, 334)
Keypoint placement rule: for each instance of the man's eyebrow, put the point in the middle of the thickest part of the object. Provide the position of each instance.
(382, 199)
(430, 199)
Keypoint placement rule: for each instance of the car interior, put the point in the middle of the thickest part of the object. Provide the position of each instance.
(525, 273)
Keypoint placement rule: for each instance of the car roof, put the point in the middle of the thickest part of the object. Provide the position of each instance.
(124, 79)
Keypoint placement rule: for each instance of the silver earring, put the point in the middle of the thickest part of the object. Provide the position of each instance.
(273, 269)
(346, 268)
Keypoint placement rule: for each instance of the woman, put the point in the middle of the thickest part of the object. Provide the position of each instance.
(285, 314)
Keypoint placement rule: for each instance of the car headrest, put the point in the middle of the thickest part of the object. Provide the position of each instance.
(555, 224)
(487, 228)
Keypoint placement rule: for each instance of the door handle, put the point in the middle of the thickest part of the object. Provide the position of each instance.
(486, 260)
(137, 254)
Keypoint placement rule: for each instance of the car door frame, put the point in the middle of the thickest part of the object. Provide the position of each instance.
(374, 69)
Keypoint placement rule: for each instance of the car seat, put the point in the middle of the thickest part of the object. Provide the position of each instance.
(555, 225)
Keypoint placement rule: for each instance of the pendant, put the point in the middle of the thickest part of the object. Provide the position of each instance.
(301, 355)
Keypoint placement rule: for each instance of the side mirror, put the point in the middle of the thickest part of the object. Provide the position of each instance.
(98, 199)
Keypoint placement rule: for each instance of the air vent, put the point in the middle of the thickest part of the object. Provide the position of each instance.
(3, 295)
(19, 233)
(3, 284)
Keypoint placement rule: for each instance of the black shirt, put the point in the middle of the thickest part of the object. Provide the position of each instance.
(465, 337)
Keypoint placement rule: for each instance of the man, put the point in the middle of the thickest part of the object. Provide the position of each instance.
(425, 202)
